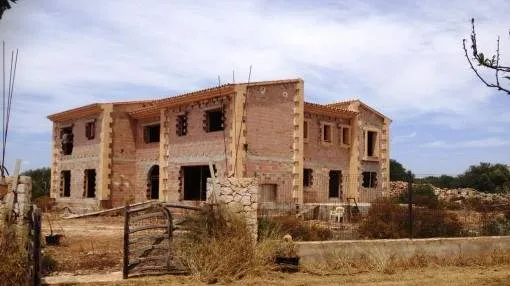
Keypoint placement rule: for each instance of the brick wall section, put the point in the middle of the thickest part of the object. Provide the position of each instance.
(369, 120)
(132, 157)
(84, 156)
(198, 147)
(322, 157)
(270, 131)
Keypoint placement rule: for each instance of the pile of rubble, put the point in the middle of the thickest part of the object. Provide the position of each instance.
(458, 196)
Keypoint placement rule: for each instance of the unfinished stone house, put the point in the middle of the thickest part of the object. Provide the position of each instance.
(107, 154)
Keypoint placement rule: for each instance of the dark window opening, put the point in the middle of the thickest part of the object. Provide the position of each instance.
(182, 125)
(195, 182)
(153, 183)
(305, 130)
(326, 133)
(67, 139)
(335, 180)
(371, 141)
(369, 180)
(151, 133)
(307, 177)
(214, 120)
(90, 130)
(346, 135)
(65, 183)
(267, 193)
(90, 183)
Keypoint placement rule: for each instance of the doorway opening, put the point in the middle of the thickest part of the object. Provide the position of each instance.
(153, 183)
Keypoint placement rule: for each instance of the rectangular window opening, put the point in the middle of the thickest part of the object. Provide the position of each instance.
(90, 130)
(195, 182)
(182, 125)
(335, 181)
(90, 183)
(67, 140)
(307, 177)
(214, 120)
(346, 135)
(65, 183)
(371, 143)
(326, 133)
(369, 180)
(305, 130)
(268, 193)
(151, 133)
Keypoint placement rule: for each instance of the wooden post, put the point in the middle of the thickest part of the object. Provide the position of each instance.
(125, 268)
(36, 220)
(410, 202)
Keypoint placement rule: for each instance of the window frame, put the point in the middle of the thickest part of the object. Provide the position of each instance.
(306, 130)
(307, 180)
(323, 133)
(376, 141)
(207, 121)
(181, 119)
(90, 129)
(341, 137)
(146, 135)
(372, 179)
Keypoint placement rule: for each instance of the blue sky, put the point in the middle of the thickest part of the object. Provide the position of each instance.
(403, 58)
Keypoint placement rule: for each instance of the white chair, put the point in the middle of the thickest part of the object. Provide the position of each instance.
(337, 214)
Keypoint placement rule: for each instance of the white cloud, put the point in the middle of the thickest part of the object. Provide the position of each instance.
(477, 143)
(404, 59)
(403, 138)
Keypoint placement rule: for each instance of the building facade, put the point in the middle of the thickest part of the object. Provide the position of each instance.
(109, 154)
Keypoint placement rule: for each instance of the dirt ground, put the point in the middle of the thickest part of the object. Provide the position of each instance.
(90, 245)
(446, 276)
(93, 246)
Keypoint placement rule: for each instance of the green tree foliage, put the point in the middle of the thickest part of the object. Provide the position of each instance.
(423, 195)
(40, 181)
(443, 181)
(487, 177)
(397, 171)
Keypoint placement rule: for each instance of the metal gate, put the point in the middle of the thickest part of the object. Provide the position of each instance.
(148, 233)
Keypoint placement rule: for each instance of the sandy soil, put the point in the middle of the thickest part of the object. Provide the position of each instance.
(462, 276)
(90, 245)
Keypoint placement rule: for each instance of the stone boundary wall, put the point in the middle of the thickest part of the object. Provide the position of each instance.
(316, 251)
(19, 201)
(239, 194)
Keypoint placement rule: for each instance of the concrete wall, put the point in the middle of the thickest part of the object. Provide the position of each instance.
(319, 251)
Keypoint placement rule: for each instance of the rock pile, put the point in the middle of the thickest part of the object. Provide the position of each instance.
(458, 196)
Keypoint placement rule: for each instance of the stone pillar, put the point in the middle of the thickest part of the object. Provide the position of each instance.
(239, 194)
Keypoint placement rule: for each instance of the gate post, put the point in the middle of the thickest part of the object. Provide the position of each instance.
(125, 266)
(410, 201)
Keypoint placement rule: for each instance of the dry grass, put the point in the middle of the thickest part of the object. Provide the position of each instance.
(13, 256)
(388, 263)
(220, 248)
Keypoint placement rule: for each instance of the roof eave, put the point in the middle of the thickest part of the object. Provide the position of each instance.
(75, 113)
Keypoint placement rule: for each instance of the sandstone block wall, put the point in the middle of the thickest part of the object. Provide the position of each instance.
(270, 137)
(239, 194)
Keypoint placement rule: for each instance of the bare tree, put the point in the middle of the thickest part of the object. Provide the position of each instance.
(4, 5)
(501, 72)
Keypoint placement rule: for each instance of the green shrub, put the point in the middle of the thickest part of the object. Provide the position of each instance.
(48, 264)
(423, 195)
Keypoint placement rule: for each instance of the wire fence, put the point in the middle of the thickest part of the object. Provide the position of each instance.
(412, 209)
